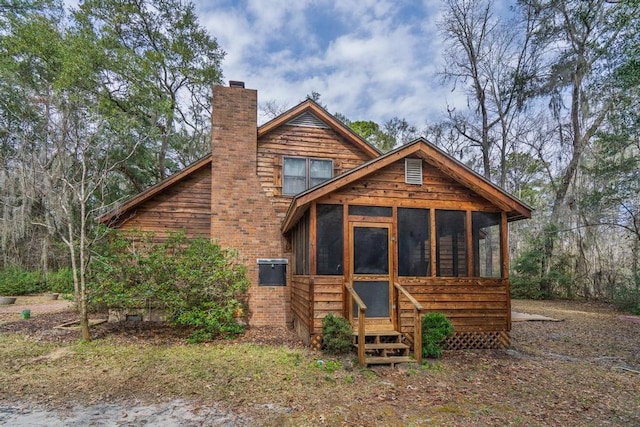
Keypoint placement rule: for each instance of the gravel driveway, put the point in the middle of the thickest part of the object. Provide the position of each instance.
(173, 413)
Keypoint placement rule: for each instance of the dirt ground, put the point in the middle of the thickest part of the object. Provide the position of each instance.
(582, 370)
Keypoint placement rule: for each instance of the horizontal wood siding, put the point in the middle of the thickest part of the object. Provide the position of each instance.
(186, 205)
(301, 301)
(299, 141)
(327, 299)
(387, 188)
(472, 304)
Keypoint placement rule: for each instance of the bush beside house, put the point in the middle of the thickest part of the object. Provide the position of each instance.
(197, 283)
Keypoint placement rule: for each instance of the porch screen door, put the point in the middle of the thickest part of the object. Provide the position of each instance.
(371, 271)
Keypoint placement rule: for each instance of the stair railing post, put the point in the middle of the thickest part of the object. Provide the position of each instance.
(355, 298)
(417, 321)
(417, 339)
(361, 338)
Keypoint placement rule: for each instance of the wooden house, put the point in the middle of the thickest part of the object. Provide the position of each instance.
(325, 223)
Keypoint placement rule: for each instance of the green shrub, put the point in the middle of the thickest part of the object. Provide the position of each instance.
(16, 281)
(61, 281)
(627, 299)
(196, 282)
(526, 288)
(337, 334)
(531, 280)
(436, 328)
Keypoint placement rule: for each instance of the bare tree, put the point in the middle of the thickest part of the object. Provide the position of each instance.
(494, 62)
(74, 179)
(578, 38)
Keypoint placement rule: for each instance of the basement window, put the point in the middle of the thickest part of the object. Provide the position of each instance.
(300, 173)
(272, 272)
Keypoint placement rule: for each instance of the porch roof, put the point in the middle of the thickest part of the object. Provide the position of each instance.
(422, 148)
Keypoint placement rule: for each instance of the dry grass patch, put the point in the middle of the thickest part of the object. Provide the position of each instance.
(556, 374)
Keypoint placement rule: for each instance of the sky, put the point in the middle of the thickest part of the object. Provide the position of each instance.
(368, 59)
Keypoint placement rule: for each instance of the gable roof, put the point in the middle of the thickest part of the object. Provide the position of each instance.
(113, 215)
(309, 106)
(304, 108)
(431, 154)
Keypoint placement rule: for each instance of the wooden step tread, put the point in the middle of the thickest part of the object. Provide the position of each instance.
(389, 333)
(385, 346)
(388, 360)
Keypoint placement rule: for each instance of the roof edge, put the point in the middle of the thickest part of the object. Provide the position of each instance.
(300, 201)
(112, 215)
(337, 125)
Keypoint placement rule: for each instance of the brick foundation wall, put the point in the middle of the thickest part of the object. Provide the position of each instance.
(242, 216)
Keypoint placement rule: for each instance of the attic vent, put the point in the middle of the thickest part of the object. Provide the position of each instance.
(309, 120)
(413, 171)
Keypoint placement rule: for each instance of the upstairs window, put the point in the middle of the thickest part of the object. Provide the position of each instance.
(301, 173)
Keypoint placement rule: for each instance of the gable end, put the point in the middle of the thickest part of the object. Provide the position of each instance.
(307, 119)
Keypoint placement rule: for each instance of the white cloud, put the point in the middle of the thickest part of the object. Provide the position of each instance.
(370, 59)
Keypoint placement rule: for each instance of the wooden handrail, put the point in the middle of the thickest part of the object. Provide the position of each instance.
(361, 309)
(417, 321)
(410, 297)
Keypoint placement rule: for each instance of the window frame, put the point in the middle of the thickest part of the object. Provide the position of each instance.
(308, 176)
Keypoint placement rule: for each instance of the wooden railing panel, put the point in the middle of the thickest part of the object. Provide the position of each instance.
(417, 321)
(361, 322)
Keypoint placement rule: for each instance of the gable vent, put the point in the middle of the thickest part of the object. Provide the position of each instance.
(413, 171)
(307, 119)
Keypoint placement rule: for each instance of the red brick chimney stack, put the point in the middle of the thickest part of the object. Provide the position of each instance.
(242, 215)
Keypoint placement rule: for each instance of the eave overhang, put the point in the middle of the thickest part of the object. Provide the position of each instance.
(335, 124)
(111, 217)
(420, 147)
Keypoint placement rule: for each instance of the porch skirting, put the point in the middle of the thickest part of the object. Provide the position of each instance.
(478, 340)
(459, 341)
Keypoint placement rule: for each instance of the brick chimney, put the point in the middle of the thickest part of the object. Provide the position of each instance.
(243, 217)
(234, 130)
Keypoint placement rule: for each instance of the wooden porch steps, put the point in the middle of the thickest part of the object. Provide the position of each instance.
(384, 348)
(388, 360)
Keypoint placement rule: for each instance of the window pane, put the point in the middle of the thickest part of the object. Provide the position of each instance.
(451, 244)
(294, 185)
(329, 239)
(320, 171)
(295, 167)
(487, 261)
(370, 250)
(370, 210)
(414, 248)
(321, 168)
(294, 176)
